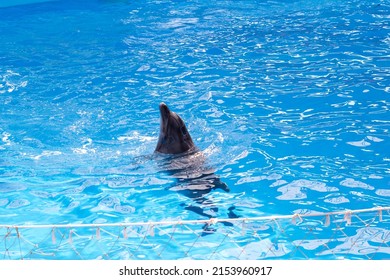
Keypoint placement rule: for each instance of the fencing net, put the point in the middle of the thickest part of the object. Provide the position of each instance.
(352, 234)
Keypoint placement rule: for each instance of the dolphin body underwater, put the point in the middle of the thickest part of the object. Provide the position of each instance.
(185, 162)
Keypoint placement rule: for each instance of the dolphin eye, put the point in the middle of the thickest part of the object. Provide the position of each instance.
(183, 130)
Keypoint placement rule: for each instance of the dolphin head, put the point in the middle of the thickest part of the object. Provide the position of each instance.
(174, 137)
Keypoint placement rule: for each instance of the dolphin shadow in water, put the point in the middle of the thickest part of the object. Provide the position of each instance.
(182, 160)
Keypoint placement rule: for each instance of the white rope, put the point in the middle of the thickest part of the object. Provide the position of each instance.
(209, 221)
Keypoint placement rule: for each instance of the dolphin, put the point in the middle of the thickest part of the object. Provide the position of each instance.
(185, 162)
(174, 137)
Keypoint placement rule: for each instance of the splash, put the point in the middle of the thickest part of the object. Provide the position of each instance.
(11, 81)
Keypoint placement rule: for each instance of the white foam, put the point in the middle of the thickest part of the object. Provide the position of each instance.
(337, 200)
(383, 192)
(362, 143)
(136, 136)
(5, 138)
(47, 154)
(295, 189)
(374, 139)
(352, 183)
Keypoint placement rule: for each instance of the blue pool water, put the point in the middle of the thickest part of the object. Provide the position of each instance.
(289, 100)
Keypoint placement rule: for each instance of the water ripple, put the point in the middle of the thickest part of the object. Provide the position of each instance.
(288, 101)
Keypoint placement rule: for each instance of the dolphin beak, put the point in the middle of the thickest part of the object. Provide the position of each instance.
(164, 111)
